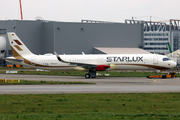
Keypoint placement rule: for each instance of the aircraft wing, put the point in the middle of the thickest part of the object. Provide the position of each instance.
(83, 65)
(86, 66)
(13, 60)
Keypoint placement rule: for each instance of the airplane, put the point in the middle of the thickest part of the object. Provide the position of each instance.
(85, 62)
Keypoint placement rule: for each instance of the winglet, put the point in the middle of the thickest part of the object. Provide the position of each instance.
(59, 58)
(83, 53)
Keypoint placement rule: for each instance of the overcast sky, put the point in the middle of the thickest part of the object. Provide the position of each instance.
(101, 10)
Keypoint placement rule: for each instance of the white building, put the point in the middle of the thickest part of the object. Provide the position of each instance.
(156, 41)
(157, 35)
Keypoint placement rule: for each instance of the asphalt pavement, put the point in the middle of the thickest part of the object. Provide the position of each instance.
(103, 85)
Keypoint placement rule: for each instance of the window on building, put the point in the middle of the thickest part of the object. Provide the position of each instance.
(165, 39)
(158, 48)
(155, 43)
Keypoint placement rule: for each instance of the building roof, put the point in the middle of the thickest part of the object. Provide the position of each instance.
(114, 50)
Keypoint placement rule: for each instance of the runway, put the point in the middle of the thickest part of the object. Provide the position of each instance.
(103, 85)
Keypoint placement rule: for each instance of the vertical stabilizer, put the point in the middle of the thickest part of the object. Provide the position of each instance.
(17, 46)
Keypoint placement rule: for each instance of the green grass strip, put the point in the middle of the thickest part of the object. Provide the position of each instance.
(138, 106)
(33, 82)
(82, 73)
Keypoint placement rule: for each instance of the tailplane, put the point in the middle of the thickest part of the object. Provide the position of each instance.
(17, 46)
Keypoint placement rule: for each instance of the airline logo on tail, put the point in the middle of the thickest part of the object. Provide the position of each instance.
(18, 47)
(17, 42)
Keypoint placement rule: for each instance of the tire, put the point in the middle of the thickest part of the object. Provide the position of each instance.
(5, 65)
(164, 77)
(87, 76)
(14, 66)
(149, 77)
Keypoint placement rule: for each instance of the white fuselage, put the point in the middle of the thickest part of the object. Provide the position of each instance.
(115, 61)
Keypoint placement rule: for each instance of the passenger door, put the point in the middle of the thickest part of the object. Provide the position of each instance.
(155, 59)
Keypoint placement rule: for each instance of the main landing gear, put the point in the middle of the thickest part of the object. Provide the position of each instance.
(90, 74)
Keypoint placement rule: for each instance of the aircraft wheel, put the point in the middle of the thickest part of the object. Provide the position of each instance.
(87, 75)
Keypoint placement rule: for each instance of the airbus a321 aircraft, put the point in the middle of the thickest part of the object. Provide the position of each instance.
(91, 63)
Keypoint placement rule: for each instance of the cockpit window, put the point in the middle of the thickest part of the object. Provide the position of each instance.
(166, 59)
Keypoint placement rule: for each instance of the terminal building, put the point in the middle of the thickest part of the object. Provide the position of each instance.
(88, 36)
(157, 35)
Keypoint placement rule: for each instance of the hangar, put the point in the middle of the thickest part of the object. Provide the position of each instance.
(42, 36)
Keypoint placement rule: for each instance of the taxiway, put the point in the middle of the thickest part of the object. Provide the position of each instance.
(103, 85)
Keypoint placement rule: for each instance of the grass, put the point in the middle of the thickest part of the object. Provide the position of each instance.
(9, 68)
(33, 82)
(82, 73)
(138, 106)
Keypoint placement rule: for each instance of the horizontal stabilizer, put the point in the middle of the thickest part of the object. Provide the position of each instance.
(13, 60)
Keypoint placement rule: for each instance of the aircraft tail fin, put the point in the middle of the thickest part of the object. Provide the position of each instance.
(17, 46)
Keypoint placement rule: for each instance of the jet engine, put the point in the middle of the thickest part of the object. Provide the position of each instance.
(102, 67)
(2, 47)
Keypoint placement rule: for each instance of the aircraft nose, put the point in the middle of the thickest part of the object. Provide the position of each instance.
(173, 64)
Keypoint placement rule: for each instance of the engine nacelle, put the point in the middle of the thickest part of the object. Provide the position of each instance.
(2, 47)
(102, 67)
